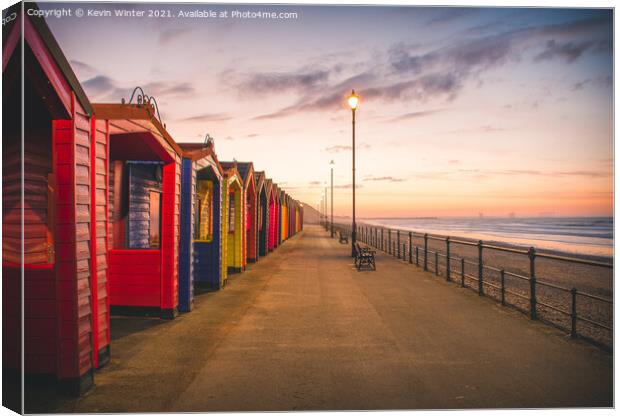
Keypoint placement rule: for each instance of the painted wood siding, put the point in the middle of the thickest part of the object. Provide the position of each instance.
(224, 257)
(186, 270)
(99, 232)
(236, 240)
(271, 213)
(171, 209)
(83, 238)
(73, 293)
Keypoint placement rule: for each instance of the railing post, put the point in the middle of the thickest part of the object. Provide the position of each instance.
(398, 241)
(381, 240)
(532, 256)
(410, 246)
(502, 277)
(448, 259)
(437, 263)
(480, 269)
(425, 252)
(573, 315)
(462, 272)
(417, 257)
(389, 241)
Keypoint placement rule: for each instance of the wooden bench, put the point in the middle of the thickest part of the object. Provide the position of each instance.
(343, 238)
(364, 257)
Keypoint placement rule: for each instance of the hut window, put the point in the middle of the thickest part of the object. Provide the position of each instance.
(204, 216)
(231, 213)
(143, 194)
(154, 218)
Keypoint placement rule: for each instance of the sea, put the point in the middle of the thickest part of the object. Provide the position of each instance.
(586, 236)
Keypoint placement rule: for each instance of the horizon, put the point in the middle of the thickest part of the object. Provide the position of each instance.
(463, 109)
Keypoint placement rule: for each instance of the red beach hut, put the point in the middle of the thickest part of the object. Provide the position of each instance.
(246, 170)
(269, 214)
(60, 249)
(275, 224)
(144, 198)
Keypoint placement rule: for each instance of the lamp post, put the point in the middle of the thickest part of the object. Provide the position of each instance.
(353, 101)
(326, 224)
(332, 200)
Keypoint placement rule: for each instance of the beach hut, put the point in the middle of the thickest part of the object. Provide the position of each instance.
(246, 170)
(291, 218)
(262, 214)
(265, 243)
(277, 216)
(284, 216)
(272, 215)
(60, 262)
(200, 245)
(233, 220)
(144, 197)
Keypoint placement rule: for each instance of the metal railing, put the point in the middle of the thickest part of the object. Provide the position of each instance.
(580, 314)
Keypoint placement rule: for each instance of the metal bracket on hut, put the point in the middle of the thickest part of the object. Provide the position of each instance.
(144, 99)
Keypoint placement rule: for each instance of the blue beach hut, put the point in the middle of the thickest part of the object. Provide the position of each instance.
(200, 245)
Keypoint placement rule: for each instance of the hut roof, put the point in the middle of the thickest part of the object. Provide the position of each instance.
(11, 34)
(197, 151)
(134, 118)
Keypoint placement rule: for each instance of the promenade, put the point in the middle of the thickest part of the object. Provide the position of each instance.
(303, 330)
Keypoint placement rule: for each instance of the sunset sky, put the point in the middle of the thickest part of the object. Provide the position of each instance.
(463, 110)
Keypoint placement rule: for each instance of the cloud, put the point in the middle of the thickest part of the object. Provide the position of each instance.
(82, 67)
(449, 14)
(569, 51)
(166, 36)
(317, 101)
(556, 174)
(102, 87)
(454, 162)
(602, 81)
(168, 88)
(414, 72)
(383, 179)
(413, 115)
(278, 82)
(344, 148)
(314, 183)
(348, 186)
(451, 66)
(207, 117)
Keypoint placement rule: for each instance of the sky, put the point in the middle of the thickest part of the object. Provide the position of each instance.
(463, 111)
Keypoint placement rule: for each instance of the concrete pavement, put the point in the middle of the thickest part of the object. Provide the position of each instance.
(303, 330)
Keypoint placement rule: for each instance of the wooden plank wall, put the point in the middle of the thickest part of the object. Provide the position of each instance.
(83, 238)
(224, 243)
(272, 224)
(235, 241)
(72, 151)
(171, 208)
(99, 232)
(186, 267)
(40, 346)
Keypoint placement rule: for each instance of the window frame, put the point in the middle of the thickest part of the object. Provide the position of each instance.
(198, 211)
